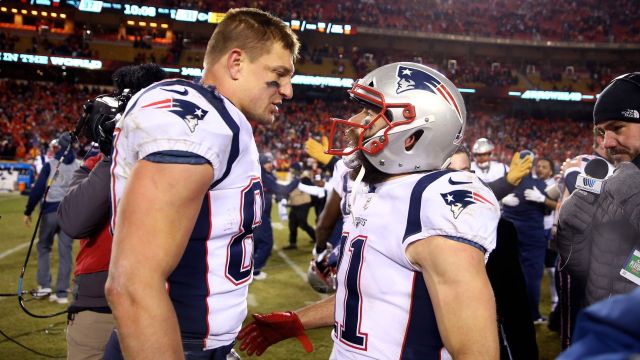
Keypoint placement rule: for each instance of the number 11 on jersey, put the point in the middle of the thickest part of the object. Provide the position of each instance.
(349, 331)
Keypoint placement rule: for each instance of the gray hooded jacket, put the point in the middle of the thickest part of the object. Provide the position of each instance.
(597, 233)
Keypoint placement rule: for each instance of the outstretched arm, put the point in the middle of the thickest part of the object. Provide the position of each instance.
(461, 295)
(154, 220)
(268, 329)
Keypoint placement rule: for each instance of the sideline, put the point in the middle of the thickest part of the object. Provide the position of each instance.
(12, 250)
(297, 270)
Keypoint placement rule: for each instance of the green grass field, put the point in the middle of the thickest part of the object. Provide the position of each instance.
(284, 289)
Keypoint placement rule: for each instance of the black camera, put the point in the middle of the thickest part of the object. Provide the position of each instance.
(99, 119)
(101, 114)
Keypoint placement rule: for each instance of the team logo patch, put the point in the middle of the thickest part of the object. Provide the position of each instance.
(189, 112)
(458, 200)
(632, 114)
(415, 79)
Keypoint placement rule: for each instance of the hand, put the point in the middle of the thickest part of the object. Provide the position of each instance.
(268, 329)
(535, 195)
(518, 169)
(317, 150)
(510, 200)
(27, 220)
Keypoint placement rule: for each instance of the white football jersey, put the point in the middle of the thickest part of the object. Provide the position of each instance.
(383, 309)
(495, 171)
(341, 183)
(209, 286)
(581, 162)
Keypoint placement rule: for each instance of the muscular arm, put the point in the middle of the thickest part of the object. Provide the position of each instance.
(319, 314)
(155, 217)
(461, 295)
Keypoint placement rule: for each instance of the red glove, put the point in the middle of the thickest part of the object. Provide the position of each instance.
(268, 329)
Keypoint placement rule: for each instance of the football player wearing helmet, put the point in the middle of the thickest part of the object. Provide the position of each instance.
(411, 279)
(488, 170)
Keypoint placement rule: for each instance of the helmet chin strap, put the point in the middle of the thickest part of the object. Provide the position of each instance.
(357, 185)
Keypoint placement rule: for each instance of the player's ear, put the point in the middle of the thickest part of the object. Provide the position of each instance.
(235, 58)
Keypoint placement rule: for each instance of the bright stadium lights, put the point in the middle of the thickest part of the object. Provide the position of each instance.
(142, 23)
(44, 13)
(153, 25)
(4, 9)
(63, 16)
(131, 22)
(54, 14)
(164, 26)
(33, 12)
(24, 11)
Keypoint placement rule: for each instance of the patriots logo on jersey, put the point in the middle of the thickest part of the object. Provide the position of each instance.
(458, 200)
(189, 112)
(415, 79)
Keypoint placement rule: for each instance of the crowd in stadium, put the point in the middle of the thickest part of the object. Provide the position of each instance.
(34, 114)
(31, 115)
(587, 20)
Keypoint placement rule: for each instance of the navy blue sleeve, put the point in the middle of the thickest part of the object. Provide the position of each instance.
(279, 190)
(176, 157)
(38, 189)
(570, 181)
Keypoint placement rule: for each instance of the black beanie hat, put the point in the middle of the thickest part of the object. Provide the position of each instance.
(620, 100)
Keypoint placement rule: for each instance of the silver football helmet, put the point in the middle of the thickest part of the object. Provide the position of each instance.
(321, 274)
(482, 146)
(422, 112)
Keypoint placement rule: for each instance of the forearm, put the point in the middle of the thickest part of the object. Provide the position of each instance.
(319, 314)
(462, 298)
(467, 324)
(145, 315)
(550, 204)
(501, 187)
(38, 189)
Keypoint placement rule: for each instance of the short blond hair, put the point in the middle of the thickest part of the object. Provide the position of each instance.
(251, 30)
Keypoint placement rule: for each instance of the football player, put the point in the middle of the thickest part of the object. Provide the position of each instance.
(488, 170)
(411, 280)
(186, 193)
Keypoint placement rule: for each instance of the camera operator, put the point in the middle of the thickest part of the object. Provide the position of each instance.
(85, 213)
